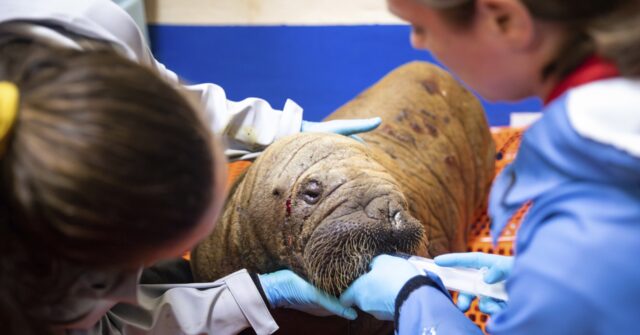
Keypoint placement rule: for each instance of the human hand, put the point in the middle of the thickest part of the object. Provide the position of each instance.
(376, 291)
(342, 127)
(498, 269)
(286, 289)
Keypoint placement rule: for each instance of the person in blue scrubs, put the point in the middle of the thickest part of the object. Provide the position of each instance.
(575, 268)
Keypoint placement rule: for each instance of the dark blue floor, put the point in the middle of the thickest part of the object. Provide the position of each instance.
(320, 67)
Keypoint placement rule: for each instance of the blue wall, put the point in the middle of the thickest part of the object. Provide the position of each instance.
(320, 67)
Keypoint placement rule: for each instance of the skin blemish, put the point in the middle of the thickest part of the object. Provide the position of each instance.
(431, 128)
(402, 115)
(415, 127)
(390, 153)
(430, 86)
(387, 130)
(405, 138)
(450, 161)
(428, 114)
(446, 120)
(402, 137)
(288, 205)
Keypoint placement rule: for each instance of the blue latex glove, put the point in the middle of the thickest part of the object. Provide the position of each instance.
(342, 127)
(286, 289)
(498, 269)
(376, 291)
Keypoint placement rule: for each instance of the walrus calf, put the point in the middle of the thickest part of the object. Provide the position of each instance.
(324, 205)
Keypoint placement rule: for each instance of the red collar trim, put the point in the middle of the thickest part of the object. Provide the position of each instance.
(592, 69)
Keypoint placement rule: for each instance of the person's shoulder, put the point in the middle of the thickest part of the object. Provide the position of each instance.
(50, 10)
(591, 133)
(115, 25)
(607, 111)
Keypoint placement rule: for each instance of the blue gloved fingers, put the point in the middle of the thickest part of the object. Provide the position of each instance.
(284, 288)
(376, 291)
(496, 273)
(464, 301)
(358, 295)
(342, 127)
(360, 126)
(491, 306)
(498, 266)
(334, 306)
(357, 138)
(476, 260)
(350, 296)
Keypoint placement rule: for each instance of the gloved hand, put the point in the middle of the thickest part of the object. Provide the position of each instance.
(286, 289)
(376, 291)
(342, 127)
(498, 269)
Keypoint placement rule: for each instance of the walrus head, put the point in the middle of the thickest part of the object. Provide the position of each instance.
(322, 205)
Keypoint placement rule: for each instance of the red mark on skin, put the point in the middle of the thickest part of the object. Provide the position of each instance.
(288, 204)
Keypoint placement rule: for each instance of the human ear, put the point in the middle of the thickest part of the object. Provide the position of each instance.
(507, 20)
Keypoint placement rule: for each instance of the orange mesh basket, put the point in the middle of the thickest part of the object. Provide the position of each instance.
(234, 170)
(507, 142)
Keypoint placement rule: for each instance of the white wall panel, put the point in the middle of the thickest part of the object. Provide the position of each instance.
(269, 12)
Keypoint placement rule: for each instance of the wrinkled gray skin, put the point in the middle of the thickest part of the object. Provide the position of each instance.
(319, 204)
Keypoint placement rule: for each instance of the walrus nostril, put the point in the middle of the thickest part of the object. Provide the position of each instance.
(311, 192)
(397, 220)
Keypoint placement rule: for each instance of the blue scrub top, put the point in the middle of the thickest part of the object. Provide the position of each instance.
(576, 268)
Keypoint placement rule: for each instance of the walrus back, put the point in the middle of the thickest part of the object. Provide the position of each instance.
(435, 140)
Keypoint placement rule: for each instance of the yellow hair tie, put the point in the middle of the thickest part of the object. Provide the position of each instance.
(9, 100)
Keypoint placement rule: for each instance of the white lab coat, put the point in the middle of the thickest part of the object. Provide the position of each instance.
(248, 125)
(226, 306)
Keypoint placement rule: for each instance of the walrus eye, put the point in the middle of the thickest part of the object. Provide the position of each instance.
(311, 192)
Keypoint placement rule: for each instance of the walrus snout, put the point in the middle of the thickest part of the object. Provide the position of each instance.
(342, 246)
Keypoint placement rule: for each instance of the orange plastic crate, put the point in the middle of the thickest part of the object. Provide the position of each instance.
(507, 142)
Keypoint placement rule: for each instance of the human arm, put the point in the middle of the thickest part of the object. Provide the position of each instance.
(248, 125)
(548, 285)
(285, 289)
(394, 289)
(226, 306)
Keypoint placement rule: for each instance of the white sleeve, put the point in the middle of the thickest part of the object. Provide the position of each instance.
(226, 306)
(248, 126)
